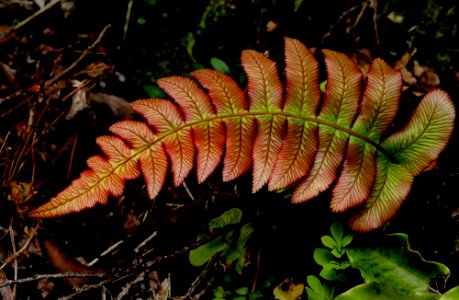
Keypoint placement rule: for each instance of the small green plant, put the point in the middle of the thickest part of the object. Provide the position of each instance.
(331, 258)
(318, 291)
(226, 291)
(230, 247)
(333, 261)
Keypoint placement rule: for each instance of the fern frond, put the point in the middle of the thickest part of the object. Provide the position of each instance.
(298, 140)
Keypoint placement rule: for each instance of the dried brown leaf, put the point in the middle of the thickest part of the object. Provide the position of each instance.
(64, 263)
(430, 78)
(119, 106)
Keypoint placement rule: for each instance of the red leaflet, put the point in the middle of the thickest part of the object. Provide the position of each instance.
(265, 95)
(166, 120)
(302, 98)
(266, 148)
(391, 187)
(340, 107)
(226, 95)
(264, 87)
(151, 156)
(230, 100)
(302, 80)
(209, 136)
(379, 106)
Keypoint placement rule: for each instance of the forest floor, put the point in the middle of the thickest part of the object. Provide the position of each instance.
(69, 69)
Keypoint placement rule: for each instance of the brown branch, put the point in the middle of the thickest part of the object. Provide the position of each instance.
(76, 62)
(49, 276)
(21, 251)
(29, 18)
(146, 267)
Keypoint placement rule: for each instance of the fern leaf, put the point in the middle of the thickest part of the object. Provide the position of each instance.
(379, 106)
(230, 100)
(419, 143)
(265, 95)
(340, 107)
(302, 98)
(151, 156)
(104, 178)
(285, 141)
(209, 135)
(391, 187)
(165, 118)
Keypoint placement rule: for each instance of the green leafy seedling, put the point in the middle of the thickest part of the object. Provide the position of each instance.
(318, 291)
(229, 246)
(331, 258)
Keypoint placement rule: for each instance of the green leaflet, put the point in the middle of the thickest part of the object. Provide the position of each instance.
(378, 109)
(391, 187)
(418, 144)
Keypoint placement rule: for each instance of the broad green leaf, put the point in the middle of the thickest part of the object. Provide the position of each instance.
(336, 230)
(255, 295)
(347, 240)
(328, 274)
(316, 290)
(244, 234)
(231, 255)
(376, 291)
(201, 255)
(154, 91)
(242, 291)
(328, 241)
(219, 65)
(297, 5)
(322, 256)
(219, 292)
(392, 262)
(336, 265)
(422, 139)
(452, 294)
(338, 253)
(314, 282)
(230, 217)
